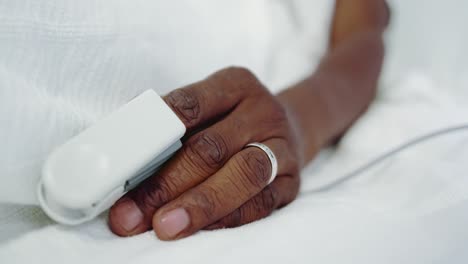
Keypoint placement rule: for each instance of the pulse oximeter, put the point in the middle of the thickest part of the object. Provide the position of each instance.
(86, 175)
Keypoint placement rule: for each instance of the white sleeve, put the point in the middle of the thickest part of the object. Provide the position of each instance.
(300, 31)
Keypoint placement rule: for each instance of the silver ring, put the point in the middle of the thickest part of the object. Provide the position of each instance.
(271, 157)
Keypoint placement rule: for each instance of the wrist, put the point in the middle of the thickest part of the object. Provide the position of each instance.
(307, 121)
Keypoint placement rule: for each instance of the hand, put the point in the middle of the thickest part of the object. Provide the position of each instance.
(213, 181)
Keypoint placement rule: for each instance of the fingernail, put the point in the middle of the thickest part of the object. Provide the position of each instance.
(173, 222)
(128, 215)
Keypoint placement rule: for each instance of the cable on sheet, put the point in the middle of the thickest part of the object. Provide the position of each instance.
(391, 153)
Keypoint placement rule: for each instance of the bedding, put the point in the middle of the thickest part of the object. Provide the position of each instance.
(65, 64)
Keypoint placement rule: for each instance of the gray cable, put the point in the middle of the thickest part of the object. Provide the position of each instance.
(389, 154)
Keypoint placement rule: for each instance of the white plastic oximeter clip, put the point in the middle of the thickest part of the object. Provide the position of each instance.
(87, 174)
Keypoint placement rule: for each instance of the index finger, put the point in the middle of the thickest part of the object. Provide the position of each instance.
(211, 98)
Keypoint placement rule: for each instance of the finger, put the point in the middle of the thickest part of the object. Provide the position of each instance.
(243, 176)
(195, 105)
(280, 192)
(213, 97)
(201, 156)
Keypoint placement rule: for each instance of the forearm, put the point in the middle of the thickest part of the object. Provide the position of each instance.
(355, 16)
(328, 102)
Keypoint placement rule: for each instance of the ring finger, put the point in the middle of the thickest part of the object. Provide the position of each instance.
(245, 175)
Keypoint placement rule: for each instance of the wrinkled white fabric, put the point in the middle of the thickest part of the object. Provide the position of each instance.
(64, 64)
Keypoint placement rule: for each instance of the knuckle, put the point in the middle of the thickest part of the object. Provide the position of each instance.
(234, 219)
(268, 199)
(243, 78)
(210, 150)
(186, 104)
(204, 202)
(294, 190)
(255, 167)
(240, 72)
(291, 193)
(153, 195)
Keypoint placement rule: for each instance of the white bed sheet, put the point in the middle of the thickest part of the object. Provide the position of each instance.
(412, 209)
